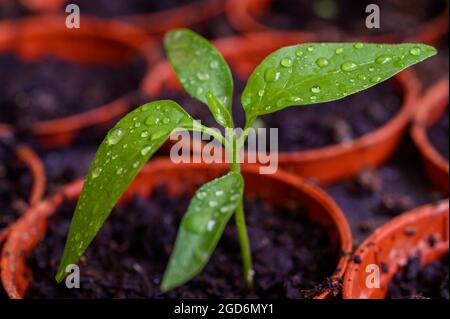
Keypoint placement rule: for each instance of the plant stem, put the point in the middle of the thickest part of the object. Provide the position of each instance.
(241, 225)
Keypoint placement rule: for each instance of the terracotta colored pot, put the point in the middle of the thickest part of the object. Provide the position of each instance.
(36, 170)
(180, 179)
(393, 243)
(155, 22)
(96, 42)
(341, 161)
(244, 15)
(431, 108)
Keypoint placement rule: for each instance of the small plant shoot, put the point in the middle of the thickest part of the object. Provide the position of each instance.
(302, 74)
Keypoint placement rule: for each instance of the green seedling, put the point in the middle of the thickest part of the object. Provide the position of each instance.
(297, 75)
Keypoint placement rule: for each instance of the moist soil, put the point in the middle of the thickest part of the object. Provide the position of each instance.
(333, 19)
(108, 8)
(417, 282)
(293, 257)
(377, 195)
(438, 134)
(311, 127)
(51, 88)
(15, 184)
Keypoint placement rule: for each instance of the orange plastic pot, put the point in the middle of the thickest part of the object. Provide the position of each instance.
(180, 179)
(392, 244)
(96, 42)
(431, 108)
(244, 15)
(34, 165)
(341, 161)
(159, 22)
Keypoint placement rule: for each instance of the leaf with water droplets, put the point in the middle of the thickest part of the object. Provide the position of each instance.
(202, 71)
(201, 228)
(320, 72)
(114, 167)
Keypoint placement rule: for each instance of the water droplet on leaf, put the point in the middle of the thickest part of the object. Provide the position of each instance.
(322, 62)
(348, 66)
(115, 136)
(315, 89)
(286, 62)
(383, 59)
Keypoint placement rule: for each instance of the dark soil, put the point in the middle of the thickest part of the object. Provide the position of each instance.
(417, 282)
(15, 184)
(108, 8)
(331, 17)
(52, 88)
(311, 127)
(11, 9)
(377, 195)
(293, 256)
(438, 134)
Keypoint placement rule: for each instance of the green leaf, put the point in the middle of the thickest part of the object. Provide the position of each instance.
(123, 152)
(202, 71)
(201, 228)
(320, 72)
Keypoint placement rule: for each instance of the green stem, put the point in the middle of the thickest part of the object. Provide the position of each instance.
(241, 225)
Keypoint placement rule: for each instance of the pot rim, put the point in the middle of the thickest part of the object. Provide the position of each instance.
(34, 223)
(37, 172)
(106, 30)
(430, 108)
(436, 210)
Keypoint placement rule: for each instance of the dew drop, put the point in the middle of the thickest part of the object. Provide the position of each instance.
(322, 62)
(219, 193)
(115, 136)
(228, 208)
(361, 77)
(201, 195)
(375, 79)
(135, 164)
(96, 172)
(358, 45)
(315, 89)
(213, 203)
(166, 120)
(214, 64)
(119, 171)
(310, 49)
(146, 150)
(383, 59)
(202, 76)
(261, 93)
(299, 53)
(339, 50)
(286, 62)
(210, 225)
(144, 134)
(415, 51)
(348, 66)
(271, 75)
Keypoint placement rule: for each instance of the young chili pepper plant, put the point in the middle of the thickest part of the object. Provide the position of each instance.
(297, 75)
